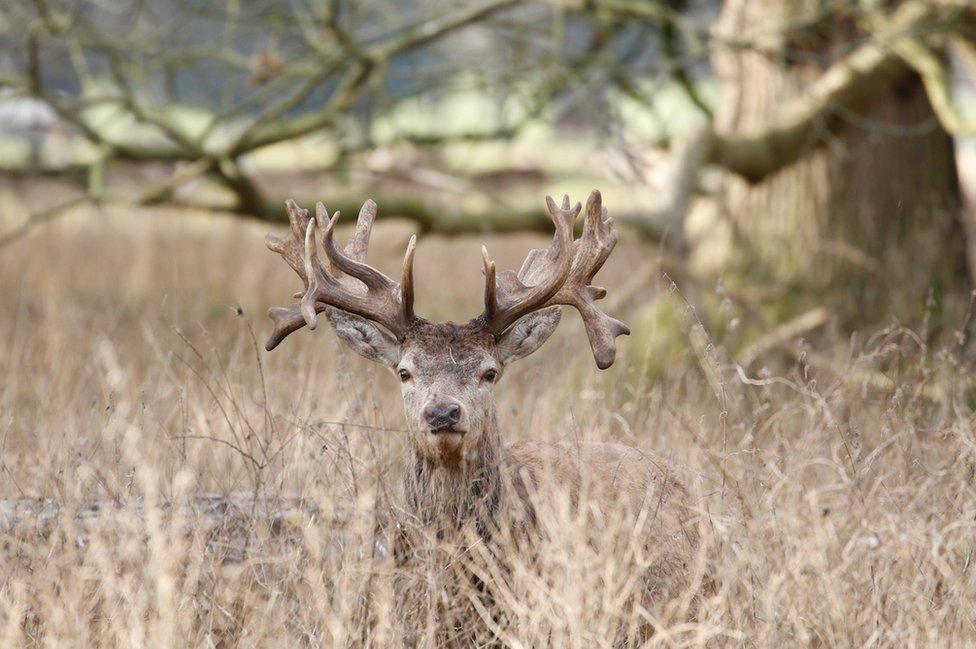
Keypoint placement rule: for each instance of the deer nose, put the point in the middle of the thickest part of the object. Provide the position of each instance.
(442, 417)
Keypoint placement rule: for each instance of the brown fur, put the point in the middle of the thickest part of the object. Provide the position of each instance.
(614, 477)
(477, 482)
(467, 490)
(462, 484)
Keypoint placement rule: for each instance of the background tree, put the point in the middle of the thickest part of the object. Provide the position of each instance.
(831, 129)
(873, 200)
(834, 132)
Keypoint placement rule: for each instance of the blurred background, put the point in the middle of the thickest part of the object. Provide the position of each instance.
(790, 176)
(810, 157)
(794, 182)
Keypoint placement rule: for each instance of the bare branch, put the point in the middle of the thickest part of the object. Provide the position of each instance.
(935, 77)
(428, 31)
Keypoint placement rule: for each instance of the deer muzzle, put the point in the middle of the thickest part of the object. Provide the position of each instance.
(443, 416)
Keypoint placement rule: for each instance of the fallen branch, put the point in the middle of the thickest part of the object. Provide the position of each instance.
(227, 522)
(40, 516)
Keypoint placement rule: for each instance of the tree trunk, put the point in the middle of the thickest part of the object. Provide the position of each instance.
(867, 221)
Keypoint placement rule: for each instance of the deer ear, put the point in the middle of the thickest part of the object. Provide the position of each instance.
(527, 335)
(368, 340)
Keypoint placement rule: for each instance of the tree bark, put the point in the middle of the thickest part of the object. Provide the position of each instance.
(867, 219)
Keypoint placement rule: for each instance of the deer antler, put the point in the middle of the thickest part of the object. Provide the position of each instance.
(508, 297)
(342, 280)
(560, 274)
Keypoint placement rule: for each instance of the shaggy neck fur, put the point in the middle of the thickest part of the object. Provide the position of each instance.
(450, 492)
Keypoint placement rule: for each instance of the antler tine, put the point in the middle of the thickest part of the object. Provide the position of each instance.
(342, 279)
(287, 320)
(516, 295)
(585, 258)
(372, 278)
(591, 251)
(291, 248)
(406, 281)
(490, 286)
(322, 218)
(358, 243)
(313, 273)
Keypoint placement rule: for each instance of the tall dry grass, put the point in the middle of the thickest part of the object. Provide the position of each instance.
(838, 506)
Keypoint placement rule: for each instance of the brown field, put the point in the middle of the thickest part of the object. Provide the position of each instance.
(838, 507)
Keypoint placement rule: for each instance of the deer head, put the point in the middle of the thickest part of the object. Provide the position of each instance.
(448, 371)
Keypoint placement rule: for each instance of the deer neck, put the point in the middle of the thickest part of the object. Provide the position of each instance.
(453, 490)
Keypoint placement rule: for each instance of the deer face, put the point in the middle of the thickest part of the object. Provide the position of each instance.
(447, 377)
(447, 374)
(448, 371)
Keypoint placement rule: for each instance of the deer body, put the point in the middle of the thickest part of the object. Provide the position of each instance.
(462, 477)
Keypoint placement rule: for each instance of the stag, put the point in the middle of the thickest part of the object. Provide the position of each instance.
(461, 473)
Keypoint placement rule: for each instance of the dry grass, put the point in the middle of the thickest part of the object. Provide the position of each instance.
(837, 513)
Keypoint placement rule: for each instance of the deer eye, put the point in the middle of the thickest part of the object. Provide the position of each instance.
(489, 376)
(404, 375)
